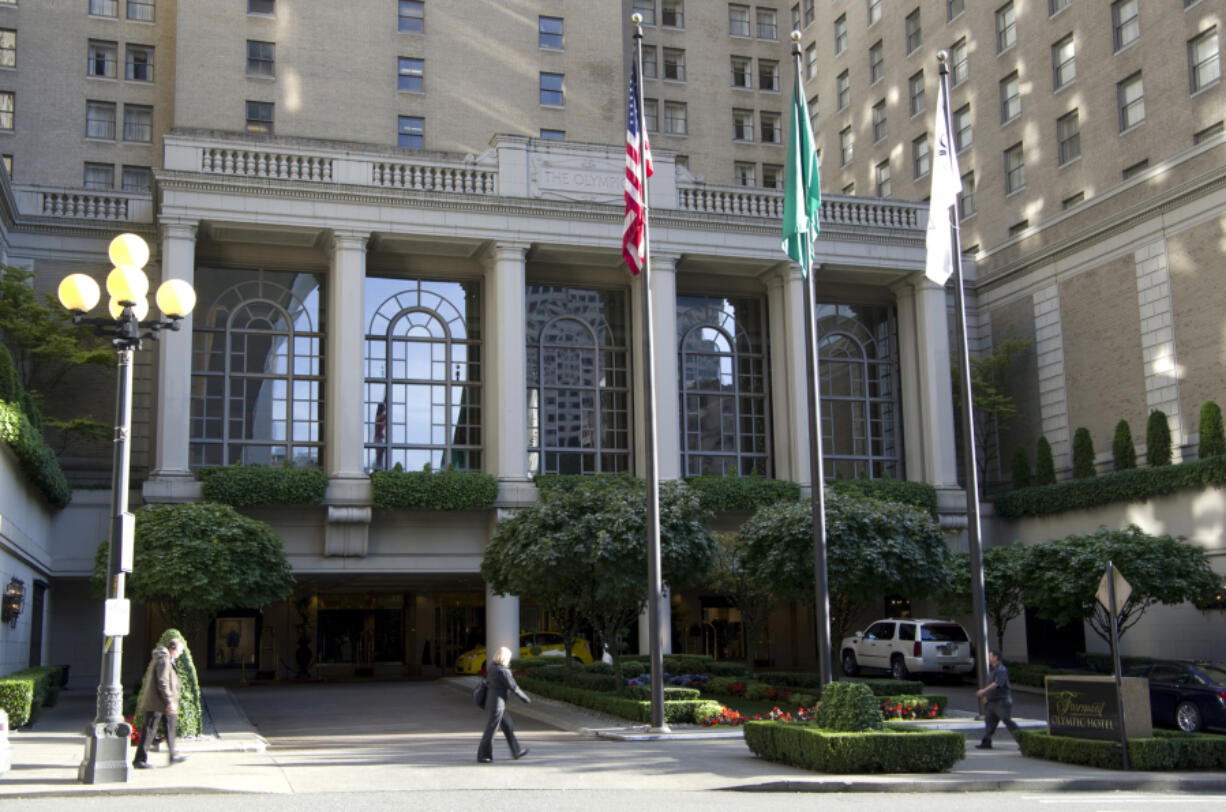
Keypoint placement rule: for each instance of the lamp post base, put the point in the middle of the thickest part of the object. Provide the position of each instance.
(106, 754)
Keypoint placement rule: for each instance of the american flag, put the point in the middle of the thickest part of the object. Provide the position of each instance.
(634, 247)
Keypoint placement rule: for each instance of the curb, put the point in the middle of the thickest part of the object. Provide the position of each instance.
(1142, 784)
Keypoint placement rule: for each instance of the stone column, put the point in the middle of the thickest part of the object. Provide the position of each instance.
(783, 383)
(935, 384)
(664, 334)
(344, 418)
(171, 478)
(797, 392)
(501, 622)
(909, 370)
(505, 368)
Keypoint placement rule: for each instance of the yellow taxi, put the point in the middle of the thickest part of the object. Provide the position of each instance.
(548, 644)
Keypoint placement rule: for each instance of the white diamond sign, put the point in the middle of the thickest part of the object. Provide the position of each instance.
(1122, 590)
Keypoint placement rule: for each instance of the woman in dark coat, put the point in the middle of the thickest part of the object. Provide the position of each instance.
(500, 683)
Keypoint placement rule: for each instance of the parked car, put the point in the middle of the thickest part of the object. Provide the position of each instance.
(1188, 695)
(548, 644)
(905, 646)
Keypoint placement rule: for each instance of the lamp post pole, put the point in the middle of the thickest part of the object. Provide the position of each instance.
(107, 739)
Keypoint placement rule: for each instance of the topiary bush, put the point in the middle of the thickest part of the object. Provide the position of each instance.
(1083, 454)
(848, 706)
(1044, 465)
(917, 494)
(251, 485)
(1167, 750)
(24, 693)
(1212, 439)
(427, 490)
(893, 750)
(1122, 449)
(1157, 439)
(190, 716)
(1020, 468)
(745, 493)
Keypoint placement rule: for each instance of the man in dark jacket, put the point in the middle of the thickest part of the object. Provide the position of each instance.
(501, 683)
(160, 701)
(999, 706)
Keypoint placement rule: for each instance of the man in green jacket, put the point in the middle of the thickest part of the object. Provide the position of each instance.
(160, 700)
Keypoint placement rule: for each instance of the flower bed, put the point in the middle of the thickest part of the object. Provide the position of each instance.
(891, 750)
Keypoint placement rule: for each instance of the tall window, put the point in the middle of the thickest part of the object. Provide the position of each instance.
(842, 86)
(261, 6)
(8, 103)
(1068, 137)
(966, 198)
(742, 73)
(8, 48)
(100, 120)
(744, 173)
(551, 89)
(675, 119)
(1063, 62)
(411, 16)
(140, 10)
(959, 63)
(647, 8)
(725, 415)
(1006, 27)
(649, 62)
(411, 74)
(260, 58)
(104, 8)
(137, 179)
(674, 64)
(423, 374)
(102, 57)
(259, 117)
(963, 136)
(1204, 67)
(874, 11)
(810, 14)
(1131, 96)
(847, 144)
(1010, 98)
(921, 159)
(738, 20)
(768, 23)
(137, 123)
(915, 91)
(772, 176)
(651, 115)
(1054, 6)
(879, 128)
(257, 369)
(914, 32)
(742, 125)
(99, 177)
(578, 385)
(139, 63)
(811, 61)
(549, 32)
(672, 13)
(1125, 23)
(840, 34)
(953, 8)
(768, 74)
(410, 132)
(1015, 168)
(771, 127)
(859, 389)
(881, 176)
(876, 62)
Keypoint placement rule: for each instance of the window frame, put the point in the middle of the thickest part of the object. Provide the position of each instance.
(957, 117)
(410, 77)
(1195, 83)
(880, 122)
(95, 185)
(921, 157)
(257, 124)
(876, 62)
(410, 16)
(98, 8)
(914, 31)
(840, 34)
(1126, 106)
(916, 101)
(8, 52)
(110, 64)
(746, 74)
(137, 121)
(8, 110)
(768, 69)
(766, 28)
(770, 124)
(1068, 142)
(842, 89)
(548, 94)
(738, 27)
(873, 12)
(410, 132)
(966, 198)
(744, 125)
(1060, 68)
(1006, 27)
(677, 8)
(1121, 26)
(1015, 168)
(131, 5)
(847, 146)
(545, 39)
(94, 124)
(674, 124)
(1010, 101)
(673, 59)
(130, 67)
(129, 170)
(261, 59)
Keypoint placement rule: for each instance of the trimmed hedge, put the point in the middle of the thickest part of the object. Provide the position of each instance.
(566, 482)
(690, 664)
(190, 714)
(1034, 674)
(747, 493)
(430, 490)
(23, 693)
(251, 485)
(1167, 750)
(672, 693)
(890, 750)
(849, 707)
(688, 711)
(35, 458)
(919, 494)
(1134, 485)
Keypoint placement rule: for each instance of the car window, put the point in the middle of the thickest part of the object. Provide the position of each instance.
(1137, 670)
(1213, 673)
(943, 632)
(548, 639)
(880, 631)
(1170, 674)
(525, 640)
(906, 631)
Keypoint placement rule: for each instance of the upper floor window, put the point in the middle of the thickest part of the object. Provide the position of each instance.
(738, 20)
(104, 8)
(102, 58)
(261, 7)
(137, 123)
(742, 72)
(1204, 67)
(422, 398)
(553, 135)
(879, 121)
(953, 8)
(1006, 27)
(876, 62)
(257, 369)
(744, 173)
(139, 63)
(742, 125)
(1063, 62)
(771, 127)
(100, 120)
(99, 177)
(1015, 168)
(1125, 23)
(725, 412)
(549, 32)
(915, 87)
(914, 33)
(647, 10)
(1130, 94)
(649, 62)
(551, 89)
(410, 132)
(810, 14)
(768, 23)
(881, 177)
(840, 34)
(651, 115)
(260, 58)
(811, 61)
(768, 74)
(921, 158)
(137, 179)
(1068, 137)
(966, 198)
(772, 176)
(672, 13)
(1054, 6)
(8, 48)
(259, 117)
(674, 64)
(140, 10)
(874, 11)
(847, 144)
(675, 118)
(959, 63)
(8, 105)
(842, 86)
(411, 16)
(963, 136)
(578, 386)
(410, 74)
(1010, 98)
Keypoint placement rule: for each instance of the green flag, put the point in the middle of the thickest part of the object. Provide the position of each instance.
(802, 194)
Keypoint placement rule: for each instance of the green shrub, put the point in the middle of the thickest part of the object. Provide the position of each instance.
(1034, 674)
(1083, 454)
(885, 751)
(1021, 468)
(1165, 751)
(672, 693)
(848, 706)
(1122, 449)
(890, 687)
(792, 679)
(566, 482)
(1136, 485)
(685, 711)
(1044, 465)
(426, 490)
(24, 693)
(35, 458)
(917, 494)
(251, 485)
(1157, 439)
(190, 717)
(747, 493)
(10, 381)
(1212, 438)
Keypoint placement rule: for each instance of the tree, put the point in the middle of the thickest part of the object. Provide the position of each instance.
(993, 406)
(1061, 576)
(1003, 568)
(1044, 465)
(1157, 439)
(1083, 454)
(194, 560)
(873, 547)
(1021, 468)
(583, 549)
(749, 592)
(1212, 438)
(1122, 449)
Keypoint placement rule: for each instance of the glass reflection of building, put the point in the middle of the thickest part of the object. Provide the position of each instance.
(257, 368)
(423, 367)
(578, 396)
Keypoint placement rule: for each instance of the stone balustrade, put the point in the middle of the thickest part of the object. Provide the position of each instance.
(77, 204)
(846, 211)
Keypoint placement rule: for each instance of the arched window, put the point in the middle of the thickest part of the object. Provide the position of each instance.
(423, 374)
(578, 398)
(725, 424)
(256, 369)
(859, 392)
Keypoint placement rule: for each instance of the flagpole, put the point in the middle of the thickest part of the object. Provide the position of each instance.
(816, 466)
(655, 587)
(979, 630)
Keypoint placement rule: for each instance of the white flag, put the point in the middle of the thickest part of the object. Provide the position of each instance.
(946, 184)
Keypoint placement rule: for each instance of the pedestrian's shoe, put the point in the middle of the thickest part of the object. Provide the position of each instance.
(484, 759)
(142, 765)
(177, 759)
(520, 754)
(984, 745)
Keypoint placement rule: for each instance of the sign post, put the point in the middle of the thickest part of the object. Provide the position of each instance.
(1113, 587)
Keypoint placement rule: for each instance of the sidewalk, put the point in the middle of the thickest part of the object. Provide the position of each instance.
(422, 736)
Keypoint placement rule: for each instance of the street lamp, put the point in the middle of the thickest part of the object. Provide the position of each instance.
(106, 743)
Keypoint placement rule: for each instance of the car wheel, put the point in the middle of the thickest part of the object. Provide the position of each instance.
(1187, 717)
(850, 667)
(898, 668)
